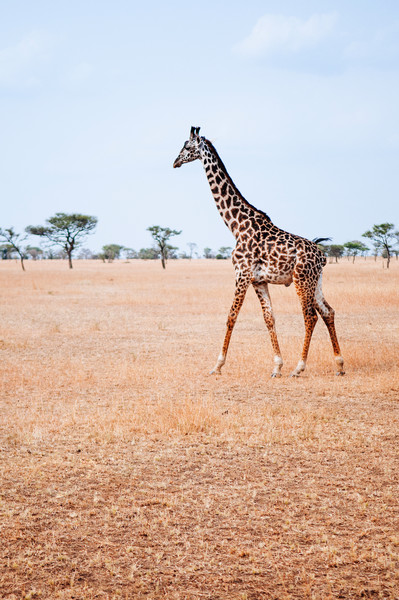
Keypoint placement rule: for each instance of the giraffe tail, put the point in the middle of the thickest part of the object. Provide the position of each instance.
(319, 240)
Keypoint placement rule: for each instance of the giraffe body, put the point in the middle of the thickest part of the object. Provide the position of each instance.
(264, 254)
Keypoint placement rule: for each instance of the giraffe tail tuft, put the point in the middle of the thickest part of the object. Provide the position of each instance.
(319, 240)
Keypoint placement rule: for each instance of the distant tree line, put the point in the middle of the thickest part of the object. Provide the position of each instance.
(63, 234)
(384, 239)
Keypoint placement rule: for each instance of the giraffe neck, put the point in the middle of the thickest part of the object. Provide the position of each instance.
(232, 206)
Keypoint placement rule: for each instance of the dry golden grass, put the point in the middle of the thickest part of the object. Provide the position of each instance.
(128, 472)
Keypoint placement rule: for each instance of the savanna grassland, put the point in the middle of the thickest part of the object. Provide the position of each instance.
(128, 472)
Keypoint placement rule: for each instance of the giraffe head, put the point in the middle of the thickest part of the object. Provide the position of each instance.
(190, 150)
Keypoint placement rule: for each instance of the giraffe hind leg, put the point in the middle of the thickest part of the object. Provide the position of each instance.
(306, 293)
(327, 314)
(310, 318)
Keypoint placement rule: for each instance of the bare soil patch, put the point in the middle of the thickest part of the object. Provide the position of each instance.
(128, 472)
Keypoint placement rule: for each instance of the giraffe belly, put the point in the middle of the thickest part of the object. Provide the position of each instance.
(266, 273)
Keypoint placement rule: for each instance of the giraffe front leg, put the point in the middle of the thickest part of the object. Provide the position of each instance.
(278, 364)
(222, 356)
(242, 284)
(217, 369)
(262, 291)
(299, 368)
(340, 365)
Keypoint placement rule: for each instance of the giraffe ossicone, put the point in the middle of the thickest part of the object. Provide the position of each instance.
(264, 254)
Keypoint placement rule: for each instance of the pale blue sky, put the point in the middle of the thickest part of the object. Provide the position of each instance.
(300, 99)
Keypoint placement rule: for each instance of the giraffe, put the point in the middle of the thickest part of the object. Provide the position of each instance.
(263, 255)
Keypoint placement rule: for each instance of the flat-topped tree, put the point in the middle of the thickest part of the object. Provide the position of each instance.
(354, 247)
(65, 230)
(335, 251)
(111, 252)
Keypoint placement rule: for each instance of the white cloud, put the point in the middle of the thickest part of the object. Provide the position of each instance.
(278, 34)
(18, 62)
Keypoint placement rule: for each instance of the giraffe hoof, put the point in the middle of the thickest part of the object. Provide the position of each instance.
(215, 372)
(295, 375)
(340, 373)
(273, 375)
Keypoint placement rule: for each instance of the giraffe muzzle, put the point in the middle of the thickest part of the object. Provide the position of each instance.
(177, 163)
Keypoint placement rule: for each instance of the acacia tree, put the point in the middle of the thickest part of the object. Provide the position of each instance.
(130, 252)
(5, 251)
(192, 246)
(14, 241)
(161, 235)
(65, 230)
(335, 251)
(110, 252)
(148, 253)
(353, 248)
(34, 252)
(383, 237)
(85, 254)
(224, 252)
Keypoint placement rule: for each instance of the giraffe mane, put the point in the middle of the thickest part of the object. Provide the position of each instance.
(222, 166)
